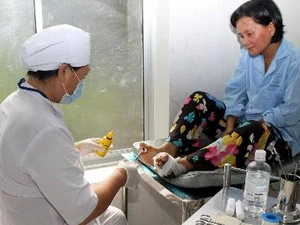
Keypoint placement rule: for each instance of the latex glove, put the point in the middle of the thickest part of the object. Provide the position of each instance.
(170, 166)
(133, 176)
(88, 146)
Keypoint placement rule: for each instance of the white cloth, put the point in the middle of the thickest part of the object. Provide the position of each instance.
(49, 48)
(227, 220)
(42, 181)
(112, 216)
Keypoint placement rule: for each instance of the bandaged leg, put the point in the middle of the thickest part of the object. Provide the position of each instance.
(171, 167)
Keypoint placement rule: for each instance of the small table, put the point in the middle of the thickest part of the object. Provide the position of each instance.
(218, 204)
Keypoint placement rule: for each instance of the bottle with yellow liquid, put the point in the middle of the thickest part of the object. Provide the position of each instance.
(105, 144)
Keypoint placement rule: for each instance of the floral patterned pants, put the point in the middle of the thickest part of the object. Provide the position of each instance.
(204, 114)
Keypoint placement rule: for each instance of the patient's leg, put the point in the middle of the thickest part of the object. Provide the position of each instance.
(237, 148)
(201, 112)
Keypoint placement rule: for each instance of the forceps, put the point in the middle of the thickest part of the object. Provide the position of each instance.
(206, 220)
(143, 150)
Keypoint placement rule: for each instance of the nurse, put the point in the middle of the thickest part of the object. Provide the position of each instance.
(42, 180)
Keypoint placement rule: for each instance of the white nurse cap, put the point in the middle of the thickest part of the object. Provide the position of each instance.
(51, 47)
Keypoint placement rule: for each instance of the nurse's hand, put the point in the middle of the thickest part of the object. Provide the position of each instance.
(88, 146)
(133, 176)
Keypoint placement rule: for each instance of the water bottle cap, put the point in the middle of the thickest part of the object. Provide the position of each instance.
(260, 155)
(270, 218)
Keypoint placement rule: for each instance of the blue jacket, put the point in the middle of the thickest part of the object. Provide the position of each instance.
(252, 94)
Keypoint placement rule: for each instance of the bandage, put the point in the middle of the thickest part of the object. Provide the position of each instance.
(222, 218)
(171, 166)
(239, 210)
(230, 207)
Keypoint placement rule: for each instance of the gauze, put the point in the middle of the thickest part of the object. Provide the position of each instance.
(171, 167)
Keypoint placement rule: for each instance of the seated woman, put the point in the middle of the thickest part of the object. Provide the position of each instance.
(261, 103)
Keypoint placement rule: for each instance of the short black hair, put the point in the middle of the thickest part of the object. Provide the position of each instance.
(44, 75)
(263, 12)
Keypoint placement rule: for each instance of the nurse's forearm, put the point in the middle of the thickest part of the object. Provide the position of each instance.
(106, 191)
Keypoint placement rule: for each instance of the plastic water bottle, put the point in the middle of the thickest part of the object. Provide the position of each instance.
(257, 185)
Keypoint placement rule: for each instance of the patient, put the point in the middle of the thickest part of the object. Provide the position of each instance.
(261, 103)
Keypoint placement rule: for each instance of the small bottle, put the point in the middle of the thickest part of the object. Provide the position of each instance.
(257, 185)
(105, 143)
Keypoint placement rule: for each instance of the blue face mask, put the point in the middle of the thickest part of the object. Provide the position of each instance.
(68, 99)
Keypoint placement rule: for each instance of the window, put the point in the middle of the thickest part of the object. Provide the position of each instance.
(113, 94)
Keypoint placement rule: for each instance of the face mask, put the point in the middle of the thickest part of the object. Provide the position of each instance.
(68, 99)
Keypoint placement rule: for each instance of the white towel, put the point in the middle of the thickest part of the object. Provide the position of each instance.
(222, 218)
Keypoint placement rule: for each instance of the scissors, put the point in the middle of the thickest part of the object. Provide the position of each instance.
(206, 220)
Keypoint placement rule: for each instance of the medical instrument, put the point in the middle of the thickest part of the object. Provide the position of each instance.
(206, 220)
(105, 143)
(287, 199)
(272, 149)
(142, 151)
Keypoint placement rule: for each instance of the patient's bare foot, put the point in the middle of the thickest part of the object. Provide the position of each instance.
(152, 151)
(147, 157)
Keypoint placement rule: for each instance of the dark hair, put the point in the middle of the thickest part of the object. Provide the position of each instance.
(44, 75)
(263, 12)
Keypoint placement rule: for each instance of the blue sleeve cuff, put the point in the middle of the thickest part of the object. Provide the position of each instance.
(273, 117)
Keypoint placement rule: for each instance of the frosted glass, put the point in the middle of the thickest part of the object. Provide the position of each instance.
(113, 94)
(16, 25)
